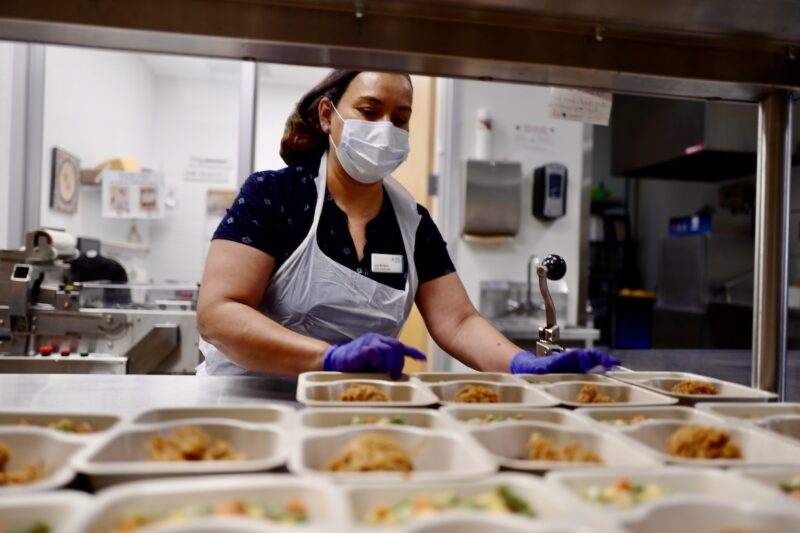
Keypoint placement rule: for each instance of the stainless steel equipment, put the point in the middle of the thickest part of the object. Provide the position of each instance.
(553, 268)
(682, 139)
(48, 326)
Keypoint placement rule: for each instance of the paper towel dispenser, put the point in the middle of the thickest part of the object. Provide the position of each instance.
(493, 199)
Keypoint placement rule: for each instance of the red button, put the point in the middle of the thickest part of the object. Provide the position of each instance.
(45, 349)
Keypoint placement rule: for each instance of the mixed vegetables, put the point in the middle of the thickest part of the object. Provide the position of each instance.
(66, 425)
(623, 493)
(500, 500)
(491, 418)
(38, 527)
(792, 487)
(378, 421)
(292, 512)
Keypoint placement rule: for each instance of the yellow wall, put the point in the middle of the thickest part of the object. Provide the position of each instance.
(414, 176)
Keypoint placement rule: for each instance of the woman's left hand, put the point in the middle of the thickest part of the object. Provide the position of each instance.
(574, 361)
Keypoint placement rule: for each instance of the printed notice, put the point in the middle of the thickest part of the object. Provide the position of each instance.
(593, 107)
(537, 137)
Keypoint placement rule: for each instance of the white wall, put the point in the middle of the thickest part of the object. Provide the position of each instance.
(97, 105)
(192, 118)
(6, 61)
(510, 105)
(280, 88)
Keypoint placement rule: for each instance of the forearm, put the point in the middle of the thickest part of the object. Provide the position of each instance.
(257, 343)
(478, 344)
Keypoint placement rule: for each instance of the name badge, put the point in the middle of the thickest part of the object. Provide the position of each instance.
(387, 264)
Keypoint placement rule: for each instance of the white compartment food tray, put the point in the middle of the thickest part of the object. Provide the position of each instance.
(676, 482)
(624, 395)
(663, 382)
(758, 446)
(787, 426)
(271, 413)
(323, 504)
(443, 377)
(321, 418)
(770, 477)
(58, 510)
(510, 394)
(508, 444)
(31, 445)
(42, 417)
(606, 416)
(322, 389)
(749, 411)
(462, 413)
(699, 514)
(439, 455)
(539, 497)
(121, 456)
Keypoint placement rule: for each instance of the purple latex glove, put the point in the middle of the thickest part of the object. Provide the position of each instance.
(371, 353)
(575, 361)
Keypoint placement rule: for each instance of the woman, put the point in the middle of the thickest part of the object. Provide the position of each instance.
(316, 266)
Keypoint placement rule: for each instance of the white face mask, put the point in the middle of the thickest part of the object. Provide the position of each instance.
(370, 151)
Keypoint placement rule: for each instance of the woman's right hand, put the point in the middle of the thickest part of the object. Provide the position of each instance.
(371, 353)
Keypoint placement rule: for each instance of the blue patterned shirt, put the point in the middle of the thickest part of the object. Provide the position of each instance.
(275, 209)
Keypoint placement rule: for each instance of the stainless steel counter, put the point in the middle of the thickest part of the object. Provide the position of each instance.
(130, 393)
(124, 395)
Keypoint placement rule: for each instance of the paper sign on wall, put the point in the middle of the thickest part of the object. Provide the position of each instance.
(537, 137)
(593, 107)
(132, 194)
(209, 169)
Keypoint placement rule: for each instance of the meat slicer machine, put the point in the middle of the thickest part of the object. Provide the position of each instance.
(48, 326)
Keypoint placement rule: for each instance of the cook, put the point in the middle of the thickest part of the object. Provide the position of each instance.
(316, 266)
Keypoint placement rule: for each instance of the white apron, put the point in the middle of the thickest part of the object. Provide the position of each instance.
(315, 296)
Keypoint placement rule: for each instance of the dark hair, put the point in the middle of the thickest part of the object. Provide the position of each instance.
(303, 139)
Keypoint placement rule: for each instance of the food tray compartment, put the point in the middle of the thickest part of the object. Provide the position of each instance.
(703, 515)
(400, 394)
(757, 446)
(318, 376)
(122, 455)
(509, 394)
(33, 445)
(254, 414)
(674, 481)
(438, 455)
(443, 377)
(749, 411)
(547, 379)
(771, 477)
(42, 418)
(323, 505)
(786, 426)
(664, 381)
(466, 415)
(608, 417)
(623, 394)
(508, 444)
(57, 511)
(315, 418)
(362, 500)
(482, 524)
